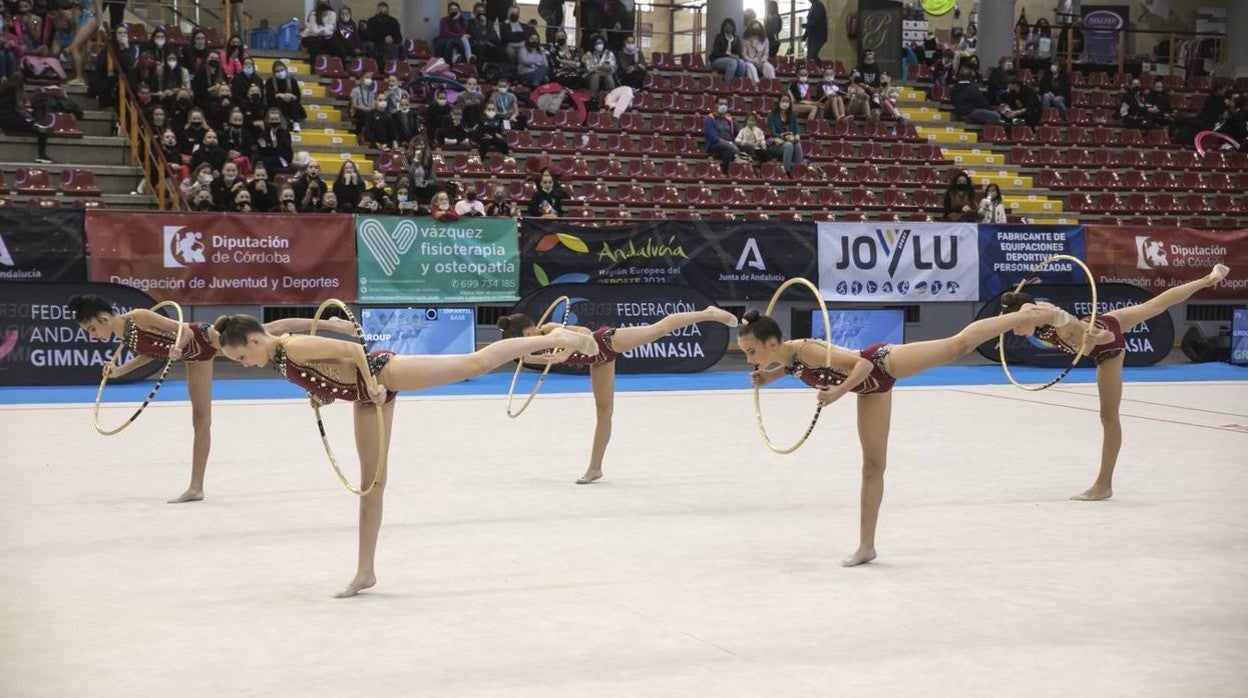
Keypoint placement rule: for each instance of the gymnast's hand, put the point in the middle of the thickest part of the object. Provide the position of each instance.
(109, 371)
(377, 394)
(1098, 336)
(829, 395)
(762, 377)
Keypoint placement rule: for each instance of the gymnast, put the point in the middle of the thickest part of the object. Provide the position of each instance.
(611, 342)
(149, 336)
(332, 369)
(1108, 356)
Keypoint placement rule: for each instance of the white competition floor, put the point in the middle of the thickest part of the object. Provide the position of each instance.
(702, 565)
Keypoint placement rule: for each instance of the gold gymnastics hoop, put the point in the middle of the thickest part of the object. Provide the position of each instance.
(112, 361)
(380, 471)
(827, 327)
(511, 392)
(1083, 346)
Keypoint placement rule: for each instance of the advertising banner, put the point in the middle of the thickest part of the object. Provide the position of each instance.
(891, 262)
(424, 331)
(1147, 342)
(1156, 259)
(1008, 252)
(42, 344)
(407, 260)
(42, 245)
(1239, 336)
(695, 348)
(217, 258)
(726, 260)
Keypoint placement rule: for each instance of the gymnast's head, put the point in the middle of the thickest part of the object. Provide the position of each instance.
(243, 339)
(93, 313)
(1012, 302)
(517, 325)
(760, 339)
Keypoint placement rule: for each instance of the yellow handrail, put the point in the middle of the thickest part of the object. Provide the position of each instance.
(145, 150)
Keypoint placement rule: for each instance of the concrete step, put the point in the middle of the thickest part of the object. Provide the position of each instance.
(919, 115)
(110, 201)
(330, 162)
(974, 157)
(1020, 205)
(89, 150)
(111, 179)
(1008, 181)
(947, 134)
(321, 138)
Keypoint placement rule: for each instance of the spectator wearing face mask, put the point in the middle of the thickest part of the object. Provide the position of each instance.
(143, 74)
(224, 187)
(832, 101)
(1133, 110)
(805, 96)
(232, 57)
(718, 133)
(1055, 89)
(283, 91)
(632, 65)
(319, 32)
(386, 34)
(756, 53)
(193, 56)
(212, 89)
(348, 187)
(960, 199)
(452, 42)
(378, 128)
(500, 206)
(783, 141)
(546, 202)
(531, 63)
(308, 186)
(286, 201)
(406, 122)
(200, 179)
(490, 134)
(245, 79)
(263, 193)
(173, 84)
(566, 62)
(363, 97)
(194, 132)
(160, 46)
(438, 117)
(725, 53)
(599, 68)
(242, 201)
(254, 108)
(441, 209)
(420, 167)
(201, 201)
(1159, 103)
(237, 141)
(751, 140)
(347, 33)
(456, 132)
(508, 106)
(394, 93)
(471, 101)
(512, 32)
(210, 151)
(483, 36)
(468, 205)
(273, 146)
(992, 208)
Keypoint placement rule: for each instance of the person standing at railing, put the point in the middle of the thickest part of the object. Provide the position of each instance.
(107, 73)
(88, 15)
(815, 34)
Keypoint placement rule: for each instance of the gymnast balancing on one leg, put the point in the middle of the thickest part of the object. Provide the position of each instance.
(150, 337)
(1109, 356)
(332, 369)
(870, 373)
(611, 342)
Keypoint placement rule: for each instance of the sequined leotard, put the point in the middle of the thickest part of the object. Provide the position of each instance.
(1099, 353)
(602, 336)
(319, 379)
(878, 381)
(157, 344)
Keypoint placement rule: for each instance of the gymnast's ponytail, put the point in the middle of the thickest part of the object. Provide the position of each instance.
(87, 306)
(514, 325)
(761, 327)
(1012, 302)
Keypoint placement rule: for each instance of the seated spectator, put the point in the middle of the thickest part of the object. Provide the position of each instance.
(244, 80)
(385, 34)
(888, 97)
(456, 132)
(212, 89)
(194, 131)
(319, 32)
(237, 141)
(16, 117)
(201, 201)
(999, 80)
(309, 186)
(171, 149)
(805, 96)
(783, 141)
(599, 69)
(500, 206)
(328, 203)
(756, 53)
(546, 201)
(468, 205)
(255, 109)
(1020, 104)
(864, 86)
(943, 72)
(441, 209)
(507, 104)
(969, 103)
(242, 201)
(832, 101)
(992, 208)
(725, 53)
(286, 202)
(1134, 107)
(273, 146)
(160, 121)
(394, 94)
(199, 179)
(967, 47)
(565, 62)
(438, 117)
(283, 91)
(406, 121)
(453, 42)
(223, 187)
(631, 65)
(531, 65)
(512, 33)
(232, 57)
(144, 72)
(347, 33)
(960, 199)
(717, 135)
(263, 193)
(1234, 124)
(751, 140)
(159, 45)
(1055, 89)
(484, 37)
(377, 187)
(210, 151)
(195, 55)
(1159, 103)
(363, 97)
(348, 187)
(490, 133)
(471, 101)
(173, 85)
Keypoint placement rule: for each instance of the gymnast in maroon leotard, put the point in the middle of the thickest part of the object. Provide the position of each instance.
(869, 373)
(611, 341)
(332, 369)
(1109, 352)
(149, 336)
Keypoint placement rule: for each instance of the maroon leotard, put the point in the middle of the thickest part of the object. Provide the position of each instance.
(878, 381)
(157, 344)
(602, 337)
(327, 388)
(1099, 353)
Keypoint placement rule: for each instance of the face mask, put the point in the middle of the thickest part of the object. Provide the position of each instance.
(249, 71)
(171, 64)
(346, 17)
(722, 109)
(441, 102)
(491, 114)
(504, 89)
(630, 48)
(281, 74)
(160, 42)
(598, 47)
(784, 105)
(229, 177)
(275, 124)
(367, 82)
(561, 42)
(803, 79)
(197, 122)
(532, 44)
(1054, 68)
(205, 179)
(474, 89)
(829, 78)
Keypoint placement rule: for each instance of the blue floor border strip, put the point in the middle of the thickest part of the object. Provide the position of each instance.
(497, 383)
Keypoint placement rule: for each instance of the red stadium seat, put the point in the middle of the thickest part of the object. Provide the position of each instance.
(358, 67)
(32, 181)
(417, 49)
(328, 66)
(78, 183)
(340, 88)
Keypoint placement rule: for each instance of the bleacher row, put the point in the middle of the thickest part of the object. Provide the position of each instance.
(37, 183)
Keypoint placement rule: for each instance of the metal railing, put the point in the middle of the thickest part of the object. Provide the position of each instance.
(1065, 36)
(193, 14)
(144, 146)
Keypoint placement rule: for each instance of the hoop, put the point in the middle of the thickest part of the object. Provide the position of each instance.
(1199, 141)
(380, 471)
(112, 361)
(1083, 346)
(758, 405)
(511, 392)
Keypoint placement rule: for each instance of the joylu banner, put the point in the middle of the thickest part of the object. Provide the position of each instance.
(891, 262)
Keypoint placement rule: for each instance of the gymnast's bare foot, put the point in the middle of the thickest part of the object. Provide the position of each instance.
(1094, 494)
(194, 494)
(861, 557)
(589, 476)
(721, 316)
(360, 583)
(567, 339)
